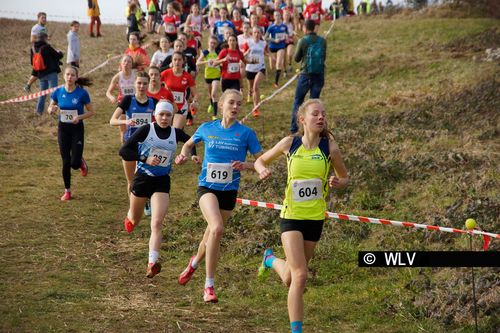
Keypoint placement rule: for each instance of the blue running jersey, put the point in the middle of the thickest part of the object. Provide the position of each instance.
(142, 114)
(280, 32)
(69, 102)
(222, 147)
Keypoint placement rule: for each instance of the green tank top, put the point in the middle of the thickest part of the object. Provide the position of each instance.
(211, 72)
(307, 184)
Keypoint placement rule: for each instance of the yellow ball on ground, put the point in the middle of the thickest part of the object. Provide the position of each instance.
(297, 70)
(262, 96)
(470, 224)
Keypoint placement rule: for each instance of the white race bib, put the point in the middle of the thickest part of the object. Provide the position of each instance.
(178, 97)
(314, 16)
(67, 116)
(219, 173)
(221, 30)
(170, 28)
(126, 91)
(141, 119)
(162, 154)
(281, 36)
(307, 189)
(233, 67)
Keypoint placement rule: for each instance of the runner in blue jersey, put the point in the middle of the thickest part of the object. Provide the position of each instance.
(226, 145)
(153, 147)
(71, 100)
(138, 109)
(220, 26)
(277, 35)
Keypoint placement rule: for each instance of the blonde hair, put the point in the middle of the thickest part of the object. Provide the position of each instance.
(302, 113)
(226, 93)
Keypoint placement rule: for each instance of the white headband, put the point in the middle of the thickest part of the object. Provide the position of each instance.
(163, 106)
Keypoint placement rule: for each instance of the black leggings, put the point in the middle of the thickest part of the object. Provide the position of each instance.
(70, 138)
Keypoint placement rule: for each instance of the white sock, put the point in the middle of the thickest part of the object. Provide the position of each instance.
(209, 282)
(153, 256)
(194, 263)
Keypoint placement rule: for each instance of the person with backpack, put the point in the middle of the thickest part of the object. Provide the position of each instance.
(311, 156)
(46, 62)
(311, 51)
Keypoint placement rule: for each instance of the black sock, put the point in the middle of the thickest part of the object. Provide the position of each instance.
(215, 108)
(277, 77)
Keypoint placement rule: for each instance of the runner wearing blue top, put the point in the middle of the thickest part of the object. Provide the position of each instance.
(226, 145)
(153, 147)
(221, 25)
(71, 100)
(277, 35)
(138, 109)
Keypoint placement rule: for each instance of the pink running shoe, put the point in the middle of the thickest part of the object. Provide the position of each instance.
(187, 274)
(84, 168)
(66, 196)
(129, 226)
(153, 269)
(209, 295)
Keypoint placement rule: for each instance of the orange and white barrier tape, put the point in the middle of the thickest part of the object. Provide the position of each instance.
(48, 91)
(486, 235)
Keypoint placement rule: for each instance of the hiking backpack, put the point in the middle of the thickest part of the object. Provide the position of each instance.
(315, 62)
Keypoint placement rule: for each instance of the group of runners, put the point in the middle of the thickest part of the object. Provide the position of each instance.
(153, 99)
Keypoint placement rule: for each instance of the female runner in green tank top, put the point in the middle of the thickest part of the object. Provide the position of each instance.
(309, 158)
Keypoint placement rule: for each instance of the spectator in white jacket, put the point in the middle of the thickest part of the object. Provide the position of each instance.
(73, 57)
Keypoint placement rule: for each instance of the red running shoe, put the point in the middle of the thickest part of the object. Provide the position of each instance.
(189, 122)
(66, 196)
(187, 274)
(256, 113)
(153, 269)
(209, 295)
(84, 168)
(129, 226)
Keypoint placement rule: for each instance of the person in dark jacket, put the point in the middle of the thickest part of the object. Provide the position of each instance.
(48, 76)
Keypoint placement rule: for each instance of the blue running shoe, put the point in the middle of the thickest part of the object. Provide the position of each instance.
(265, 270)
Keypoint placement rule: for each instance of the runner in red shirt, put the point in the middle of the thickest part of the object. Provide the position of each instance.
(171, 22)
(156, 90)
(237, 21)
(178, 80)
(313, 11)
(230, 59)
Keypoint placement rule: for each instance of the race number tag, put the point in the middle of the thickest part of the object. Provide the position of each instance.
(211, 64)
(281, 36)
(67, 116)
(219, 173)
(314, 16)
(221, 30)
(307, 189)
(178, 97)
(170, 28)
(141, 119)
(127, 91)
(233, 67)
(162, 154)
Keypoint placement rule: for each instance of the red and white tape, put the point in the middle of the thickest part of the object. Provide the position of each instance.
(486, 235)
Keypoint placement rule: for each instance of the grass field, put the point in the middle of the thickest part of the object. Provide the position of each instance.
(415, 112)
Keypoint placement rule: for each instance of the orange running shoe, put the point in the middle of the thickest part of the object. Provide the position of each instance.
(66, 196)
(84, 168)
(187, 274)
(129, 226)
(209, 295)
(256, 113)
(153, 269)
